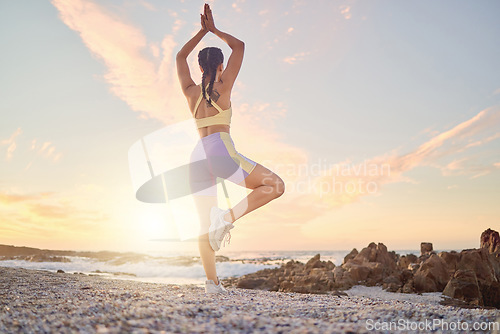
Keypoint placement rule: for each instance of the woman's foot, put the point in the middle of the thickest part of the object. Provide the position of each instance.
(219, 228)
(211, 287)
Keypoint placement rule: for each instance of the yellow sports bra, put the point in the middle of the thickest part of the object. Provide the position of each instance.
(222, 117)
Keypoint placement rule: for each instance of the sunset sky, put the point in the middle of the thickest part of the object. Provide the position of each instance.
(382, 118)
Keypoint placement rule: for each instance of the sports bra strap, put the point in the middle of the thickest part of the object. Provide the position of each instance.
(215, 105)
(197, 104)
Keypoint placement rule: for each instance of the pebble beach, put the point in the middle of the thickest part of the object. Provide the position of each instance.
(36, 301)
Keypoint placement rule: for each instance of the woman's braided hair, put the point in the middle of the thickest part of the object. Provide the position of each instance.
(209, 59)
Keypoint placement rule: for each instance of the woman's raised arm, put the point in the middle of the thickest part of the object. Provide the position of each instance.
(238, 48)
(181, 59)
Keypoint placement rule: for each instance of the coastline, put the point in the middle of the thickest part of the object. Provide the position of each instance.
(43, 301)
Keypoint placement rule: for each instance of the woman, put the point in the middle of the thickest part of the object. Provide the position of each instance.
(215, 155)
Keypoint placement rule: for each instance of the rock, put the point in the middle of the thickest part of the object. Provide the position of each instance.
(269, 284)
(451, 259)
(46, 258)
(480, 261)
(405, 260)
(330, 265)
(338, 272)
(391, 287)
(221, 258)
(491, 294)
(367, 254)
(392, 283)
(375, 253)
(486, 267)
(314, 262)
(342, 279)
(377, 274)
(408, 287)
(359, 272)
(60, 271)
(405, 275)
(414, 267)
(371, 265)
(464, 286)
(351, 255)
(432, 276)
(392, 279)
(315, 276)
(339, 293)
(425, 248)
(490, 240)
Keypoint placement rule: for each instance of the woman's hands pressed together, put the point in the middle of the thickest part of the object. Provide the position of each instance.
(207, 20)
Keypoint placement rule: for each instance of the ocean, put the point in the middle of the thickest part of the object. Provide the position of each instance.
(170, 268)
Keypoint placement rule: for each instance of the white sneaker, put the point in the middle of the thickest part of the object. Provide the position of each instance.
(219, 228)
(211, 287)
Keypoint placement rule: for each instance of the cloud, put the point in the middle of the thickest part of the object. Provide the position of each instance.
(295, 58)
(45, 149)
(147, 5)
(11, 144)
(482, 142)
(345, 11)
(49, 211)
(44, 215)
(148, 85)
(467, 166)
(6, 198)
(237, 5)
(314, 188)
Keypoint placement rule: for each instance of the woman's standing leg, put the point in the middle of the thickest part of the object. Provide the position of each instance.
(202, 180)
(207, 254)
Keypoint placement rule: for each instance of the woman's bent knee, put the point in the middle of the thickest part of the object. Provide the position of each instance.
(279, 187)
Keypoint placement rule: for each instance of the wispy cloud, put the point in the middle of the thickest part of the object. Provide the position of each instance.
(345, 11)
(429, 153)
(40, 215)
(45, 149)
(11, 144)
(8, 198)
(147, 85)
(147, 5)
(295, 58)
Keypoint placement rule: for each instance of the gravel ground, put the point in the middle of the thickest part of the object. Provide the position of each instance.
(33, 301)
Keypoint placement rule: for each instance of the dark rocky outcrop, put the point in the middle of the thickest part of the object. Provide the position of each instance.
(426, 248)
(490, 240)
(471, 277)
(351, 255)
(315, 276)
(405, 261)
(464, 286)
(432, 276)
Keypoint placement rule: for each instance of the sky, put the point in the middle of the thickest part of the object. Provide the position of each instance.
(381, 117)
